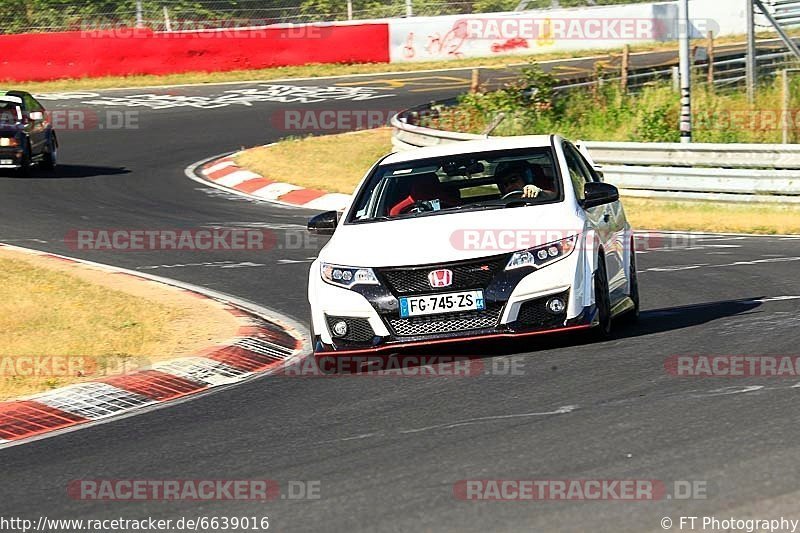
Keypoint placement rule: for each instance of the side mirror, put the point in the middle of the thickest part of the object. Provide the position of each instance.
(36, 116)
(598, 193)
(324, 223)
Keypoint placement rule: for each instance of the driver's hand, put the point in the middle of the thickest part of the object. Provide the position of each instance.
(531, 191)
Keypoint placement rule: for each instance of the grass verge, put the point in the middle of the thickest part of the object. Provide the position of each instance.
(334, 163)
(62, 324)
(337, 163)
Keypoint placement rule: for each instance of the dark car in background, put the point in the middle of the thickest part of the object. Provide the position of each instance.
(27, 137)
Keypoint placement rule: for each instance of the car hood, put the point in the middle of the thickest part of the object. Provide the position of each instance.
(7, 130)
(450, 237)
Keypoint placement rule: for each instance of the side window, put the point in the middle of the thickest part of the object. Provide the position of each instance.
(31, 105)
(35, 105)
(589, 168)
(578, 172)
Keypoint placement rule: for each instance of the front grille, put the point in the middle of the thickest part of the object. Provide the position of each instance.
(473, 274)
(358, 329)
(429, 325)
(535, 313)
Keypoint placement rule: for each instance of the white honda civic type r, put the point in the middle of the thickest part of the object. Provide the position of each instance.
(479, 239)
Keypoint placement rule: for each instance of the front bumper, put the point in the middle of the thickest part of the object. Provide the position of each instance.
(11, 158)
(515, 307)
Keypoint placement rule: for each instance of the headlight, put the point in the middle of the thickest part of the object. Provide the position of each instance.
(346, 277)
(544, 255)
(8, 141)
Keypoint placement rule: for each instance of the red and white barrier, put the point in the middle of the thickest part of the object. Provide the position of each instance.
(127, 51)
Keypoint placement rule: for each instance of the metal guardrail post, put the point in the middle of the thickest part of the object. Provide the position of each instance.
(785, 108)
(750, 58)
(686, 72)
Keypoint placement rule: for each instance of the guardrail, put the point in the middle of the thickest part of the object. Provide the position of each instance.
(761, 173)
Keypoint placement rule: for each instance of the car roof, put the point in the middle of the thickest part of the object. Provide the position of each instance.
(468, 147)
(12, 96)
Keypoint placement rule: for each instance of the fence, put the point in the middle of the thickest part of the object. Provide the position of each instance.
(30, 16)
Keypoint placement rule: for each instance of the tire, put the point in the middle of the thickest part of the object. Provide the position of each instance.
(632, 316)
(50, 159)
(25, 170)
(602, 301)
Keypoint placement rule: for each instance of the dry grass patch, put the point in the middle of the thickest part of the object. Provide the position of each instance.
(334, 163)
(81, 323)
(713, 217)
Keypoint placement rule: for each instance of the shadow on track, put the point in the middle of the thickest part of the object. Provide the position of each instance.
(650, 322)
(69, 172)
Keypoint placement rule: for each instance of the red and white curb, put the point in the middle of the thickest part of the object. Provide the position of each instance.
(266, 340)
(225, 173)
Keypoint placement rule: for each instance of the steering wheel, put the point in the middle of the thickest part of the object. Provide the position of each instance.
(512, 193)
(418, 207)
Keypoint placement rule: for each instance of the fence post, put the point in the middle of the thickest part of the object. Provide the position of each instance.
(139, 16)
(167, 22)
(710, 49)
(598, 76)
(475, 83)
(785, 106)
(623, 76)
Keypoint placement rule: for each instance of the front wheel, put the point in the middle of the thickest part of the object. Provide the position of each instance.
(25, 165)
(602, 301)
(50, 159)
(632, 316)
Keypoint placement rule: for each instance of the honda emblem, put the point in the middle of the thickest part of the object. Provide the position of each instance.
(440, 278)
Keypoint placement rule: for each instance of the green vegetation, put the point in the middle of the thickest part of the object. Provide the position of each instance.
(606, 113)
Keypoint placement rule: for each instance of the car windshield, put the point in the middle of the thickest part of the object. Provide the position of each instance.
(487, 180)
(10, 113)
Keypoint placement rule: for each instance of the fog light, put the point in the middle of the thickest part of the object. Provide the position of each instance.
(340, 328)
(556, 306)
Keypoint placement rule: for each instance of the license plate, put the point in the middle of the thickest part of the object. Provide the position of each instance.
(452, 302)
(6, 161)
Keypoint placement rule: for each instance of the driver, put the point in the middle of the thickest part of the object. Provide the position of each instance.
(514, 179)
